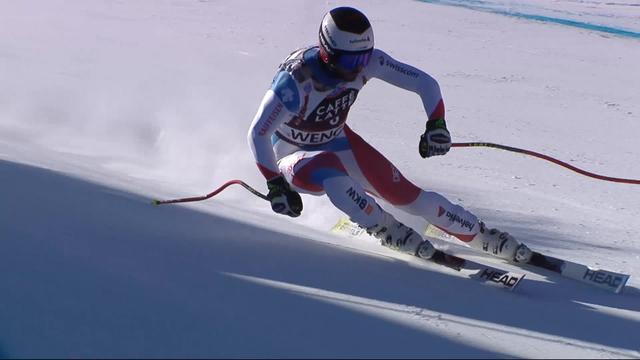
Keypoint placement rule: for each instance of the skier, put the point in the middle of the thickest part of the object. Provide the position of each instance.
(301, 142)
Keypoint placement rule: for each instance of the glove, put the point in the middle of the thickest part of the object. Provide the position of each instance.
(283, 199)
(436, 140)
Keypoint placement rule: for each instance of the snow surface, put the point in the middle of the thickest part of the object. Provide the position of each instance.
(105, 104)
(614, 17)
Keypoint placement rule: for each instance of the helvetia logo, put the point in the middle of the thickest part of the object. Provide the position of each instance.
(456, 218)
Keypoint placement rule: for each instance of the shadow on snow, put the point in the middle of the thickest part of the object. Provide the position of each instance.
(96, 271)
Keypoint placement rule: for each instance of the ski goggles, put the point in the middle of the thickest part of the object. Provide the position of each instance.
(351, 61)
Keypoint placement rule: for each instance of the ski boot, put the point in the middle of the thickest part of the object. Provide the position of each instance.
(395, 235)
(501, 244)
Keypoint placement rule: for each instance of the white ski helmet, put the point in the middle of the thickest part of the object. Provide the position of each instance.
(346, 40)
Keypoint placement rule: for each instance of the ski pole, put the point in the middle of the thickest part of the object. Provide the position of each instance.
(548, 158)
(212, 194)
(466, 144)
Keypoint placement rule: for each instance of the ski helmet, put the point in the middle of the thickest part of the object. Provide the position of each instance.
(346, 41)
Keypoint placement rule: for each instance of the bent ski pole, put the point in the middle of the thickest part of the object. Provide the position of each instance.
(548, 158)
(212, 194)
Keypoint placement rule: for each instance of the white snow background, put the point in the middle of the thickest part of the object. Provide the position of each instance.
(106, 104)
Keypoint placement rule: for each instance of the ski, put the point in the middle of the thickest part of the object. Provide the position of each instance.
(473, 270)
(603, 279)
(479, 272)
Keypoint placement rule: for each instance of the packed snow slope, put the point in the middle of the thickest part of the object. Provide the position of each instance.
(107, 104)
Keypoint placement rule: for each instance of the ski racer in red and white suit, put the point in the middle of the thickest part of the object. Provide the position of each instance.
(301, 143)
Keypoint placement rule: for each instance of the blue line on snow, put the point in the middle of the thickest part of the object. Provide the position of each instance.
(481, 6)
